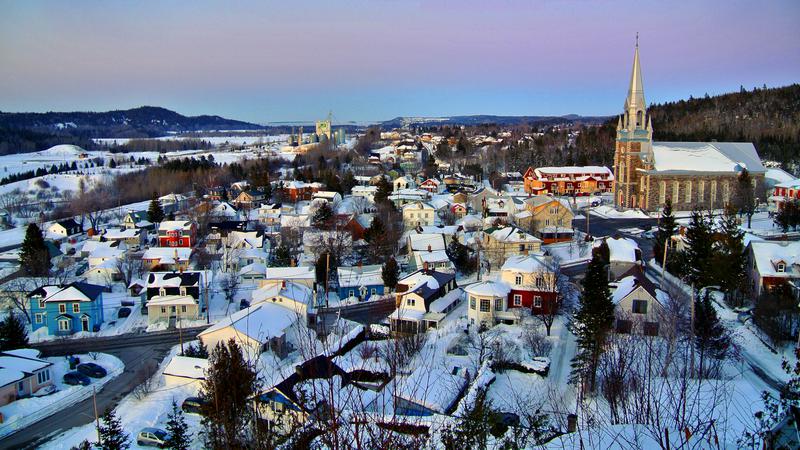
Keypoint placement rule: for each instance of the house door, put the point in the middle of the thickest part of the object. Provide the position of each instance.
(85, 324)
(21, 388)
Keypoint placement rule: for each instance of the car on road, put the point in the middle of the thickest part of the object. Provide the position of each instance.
(192, 405)
(92, 370)
(152, 437)
(76, 378)
(123, 312)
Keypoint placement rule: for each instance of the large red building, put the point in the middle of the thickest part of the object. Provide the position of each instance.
(177, 233)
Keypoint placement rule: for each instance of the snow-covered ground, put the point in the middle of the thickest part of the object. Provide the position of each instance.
(607, 211)
(570, 253)
(21, 413)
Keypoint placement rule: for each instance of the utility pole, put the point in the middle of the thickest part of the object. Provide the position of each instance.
(327, 270)
(664, 262)
(180, 333)
(691, 306)
(208, 299)
(96, 417)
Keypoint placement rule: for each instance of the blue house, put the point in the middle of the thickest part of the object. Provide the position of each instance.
(67, 309)
(361, 282)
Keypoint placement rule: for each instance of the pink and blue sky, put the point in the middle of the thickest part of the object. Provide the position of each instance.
(374, 60)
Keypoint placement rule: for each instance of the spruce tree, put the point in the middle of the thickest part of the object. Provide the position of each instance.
(593, 322)
(323, 217)
(666, 229)
(746, 196)
(699, 249)
(33, 256)
(112, 435)
(282, 257)
(730, 259)
(13, 333)
(384, 190)
(459, 255)
(710, 337)
(390, 273)
(154, 213)
(230, 382)
(375, 231)
(179, 436)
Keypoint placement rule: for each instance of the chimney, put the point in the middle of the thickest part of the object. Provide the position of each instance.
(429, 248)
(572, 423)
(283, 284)
(425, 268)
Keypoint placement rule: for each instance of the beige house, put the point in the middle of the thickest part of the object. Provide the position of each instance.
(638, 305)
(167, 307)
(423, 299)
(296, 297)
(548, 217)
(500, 243)
(418, 214)
(255, 329)
(488, 304)
(22, 373)
(277, 276)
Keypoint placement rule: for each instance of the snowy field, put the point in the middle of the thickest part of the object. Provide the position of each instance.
(214, 140)
(21, 413)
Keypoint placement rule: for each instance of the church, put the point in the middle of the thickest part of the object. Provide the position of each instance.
(690, 174)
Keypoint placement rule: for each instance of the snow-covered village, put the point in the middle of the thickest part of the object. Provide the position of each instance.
(316, 276)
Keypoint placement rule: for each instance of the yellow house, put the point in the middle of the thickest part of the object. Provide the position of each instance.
(549, 218)
(167, 307)
(499, 243)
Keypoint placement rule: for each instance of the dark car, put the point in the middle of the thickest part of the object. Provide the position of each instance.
(76, 378)
(92, 370)
(244, 304)
(123, 312)
(192, 405)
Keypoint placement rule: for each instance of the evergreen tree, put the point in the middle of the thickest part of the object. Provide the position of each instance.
(666, 229)
(154, 213)
(746, 196)
(375, 231)
(594, 321)
(33, 256)
(179, 436)
(229, 383)
(699, 249)
(13, 333)
(459, 254)
(390, 273)
(323, 217)
(112, 435)
(730, 258)
(112, 164)
(384, 190)
(348, 181)
(323, 267)
(84, 445)
(282, 257)
(710, 337)
(198, 350)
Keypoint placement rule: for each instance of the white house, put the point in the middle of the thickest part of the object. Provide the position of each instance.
(418, 214)
(488, 304)
(278, 275)
(255, 329)
(423, 299)
(639, 305)
(185, 370)
(296, 297)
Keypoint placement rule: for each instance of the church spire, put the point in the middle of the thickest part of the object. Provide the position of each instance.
(635, 104)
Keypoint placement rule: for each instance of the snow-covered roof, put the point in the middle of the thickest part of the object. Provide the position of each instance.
(22, 364)
(169, 225)
(290, 290)
(488, 289)
(360, 276)
(525, 264)
(768, 254)
(172, 300)
(433, 386)
(173, 279)
(713, 157)
(126, 233)
(422, 241)
(434, 256)
(167, 255)
(253, 269)
(573, 170)
(77, 291)
(290, 273)
(418, 205)
(622, 249)
(187, 367)
(259, 322)
(511, 234)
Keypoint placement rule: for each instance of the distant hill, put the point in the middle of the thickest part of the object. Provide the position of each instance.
(400, 122)
(27, 132)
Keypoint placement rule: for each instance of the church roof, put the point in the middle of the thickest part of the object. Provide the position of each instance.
(705, 157)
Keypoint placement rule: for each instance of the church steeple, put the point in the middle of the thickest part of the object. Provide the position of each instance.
(635, 105)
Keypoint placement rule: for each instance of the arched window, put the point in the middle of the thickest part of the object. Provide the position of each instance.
(662, 192)
(639, 118)
(688, 191)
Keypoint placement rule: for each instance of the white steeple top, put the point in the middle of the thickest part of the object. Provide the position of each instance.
(635, 100)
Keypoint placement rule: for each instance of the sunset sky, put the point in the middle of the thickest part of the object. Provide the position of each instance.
(374, 60)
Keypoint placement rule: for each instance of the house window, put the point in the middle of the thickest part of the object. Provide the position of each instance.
(517, 300)
(182, 290)
(41, 303)
(43, 376)
(64, 325)
(518, 279)
(351, 293)
(522, 247)
(781, 267)
(39, 317)
(163, 310)
(472, 303)
(62, 308)
(373, 291)
(162, 292)
(485, 305)
(183, 308)
(537, 301)
(172, 309)
(498, 304)
(640, 306)
(539, 282)
(411, 302)
(76, 307)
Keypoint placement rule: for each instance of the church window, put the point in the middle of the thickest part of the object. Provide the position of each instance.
(713, 192)
(688, 192)
(639, 118)
(701, 185)
(726, 191)
(662, 192)
(675, 186)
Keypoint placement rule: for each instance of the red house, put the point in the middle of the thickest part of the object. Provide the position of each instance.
(431, 185)
(295, 191)
(785, 192)
(177, 233)
(532, 282)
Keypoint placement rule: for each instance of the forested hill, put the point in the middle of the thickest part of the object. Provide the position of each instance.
(767, 117)
(27, 132)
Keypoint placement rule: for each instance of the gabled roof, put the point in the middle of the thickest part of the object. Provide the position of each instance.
(77, 290)
(526, 264)
(706, 157)
(68, 223)
(173, 279)
(360, 276)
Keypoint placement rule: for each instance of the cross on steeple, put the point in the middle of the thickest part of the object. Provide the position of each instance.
(637, 39)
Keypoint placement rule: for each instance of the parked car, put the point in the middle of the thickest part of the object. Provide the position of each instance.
(123, 312)
(192, 405)
(152, 437)
(47, 390)
(92, 370)
(243, 304)
(76, 378)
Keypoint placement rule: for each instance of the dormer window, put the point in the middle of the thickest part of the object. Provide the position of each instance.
(162, 292)
(518, 279)
(781, 267)
(182, 290)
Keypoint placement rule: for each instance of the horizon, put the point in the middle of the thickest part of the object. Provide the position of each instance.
(370, 62)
